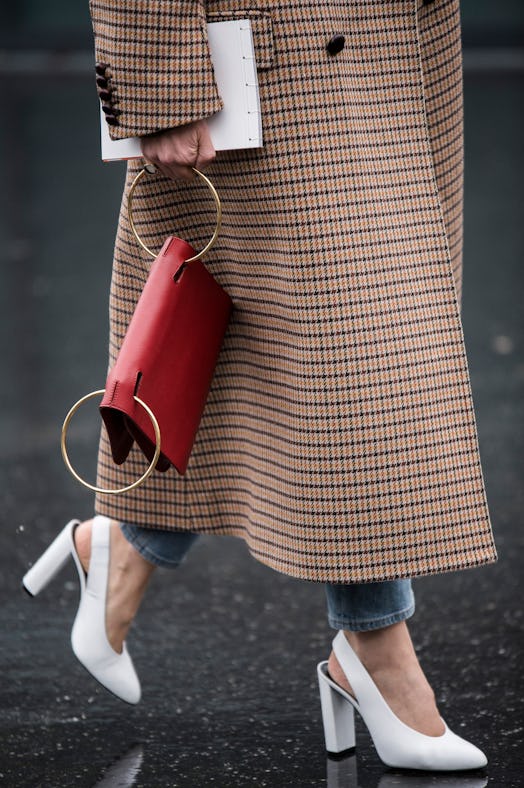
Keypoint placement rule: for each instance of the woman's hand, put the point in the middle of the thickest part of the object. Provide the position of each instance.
(176, 150)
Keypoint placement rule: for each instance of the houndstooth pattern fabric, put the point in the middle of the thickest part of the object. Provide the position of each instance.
(160, 69)
(339, 437)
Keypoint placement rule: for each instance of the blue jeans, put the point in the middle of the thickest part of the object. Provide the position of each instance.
(357, 606)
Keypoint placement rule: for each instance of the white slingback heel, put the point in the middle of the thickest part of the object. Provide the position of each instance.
(396, 744)
(88, 637)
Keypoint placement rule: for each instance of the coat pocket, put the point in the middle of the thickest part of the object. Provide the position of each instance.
(262, 27)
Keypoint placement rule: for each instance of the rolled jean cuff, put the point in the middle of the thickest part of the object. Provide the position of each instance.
(367, 606)
(161, 548)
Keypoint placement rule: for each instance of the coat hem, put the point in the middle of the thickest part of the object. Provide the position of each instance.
(316, 575)
(415, 570)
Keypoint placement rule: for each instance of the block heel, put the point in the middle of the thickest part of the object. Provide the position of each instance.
(337, 714)
(51, 561)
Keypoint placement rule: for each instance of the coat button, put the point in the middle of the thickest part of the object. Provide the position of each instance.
(336, 44)
(101, 68)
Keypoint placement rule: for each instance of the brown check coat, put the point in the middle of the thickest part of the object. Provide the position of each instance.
(339, 438)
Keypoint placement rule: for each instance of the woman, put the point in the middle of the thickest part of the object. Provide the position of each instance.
(339, 436)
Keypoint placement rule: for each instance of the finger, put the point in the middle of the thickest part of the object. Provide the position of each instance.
(172, 153)
(206, 150)
(206, 155)
(170, 169)
(148, 147)
(179, 172)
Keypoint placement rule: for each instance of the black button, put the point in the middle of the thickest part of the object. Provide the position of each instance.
(336, 44)
(101, 68)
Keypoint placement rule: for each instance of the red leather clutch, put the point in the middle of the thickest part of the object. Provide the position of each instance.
(167, 359)
(156, 392)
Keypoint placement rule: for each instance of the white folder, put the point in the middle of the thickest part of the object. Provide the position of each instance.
(239, 123)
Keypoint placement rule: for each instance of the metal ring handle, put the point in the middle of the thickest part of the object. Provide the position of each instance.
(207, 247)
(103, 490)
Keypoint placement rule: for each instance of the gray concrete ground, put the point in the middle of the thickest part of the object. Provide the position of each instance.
(226, 648)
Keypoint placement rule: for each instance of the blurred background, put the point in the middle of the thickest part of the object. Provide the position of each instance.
(226, 700)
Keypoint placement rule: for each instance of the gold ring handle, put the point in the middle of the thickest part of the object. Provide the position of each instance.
(148, 169)
(103, 490)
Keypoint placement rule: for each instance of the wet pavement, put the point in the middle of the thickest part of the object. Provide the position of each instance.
(226, 648)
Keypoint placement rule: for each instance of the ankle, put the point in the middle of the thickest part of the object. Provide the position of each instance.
(384, 648)
(127, 562)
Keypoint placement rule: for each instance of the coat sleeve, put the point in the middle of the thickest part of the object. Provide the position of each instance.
(153, 64)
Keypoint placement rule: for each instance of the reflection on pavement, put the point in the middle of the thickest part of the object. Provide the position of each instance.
(420, 780)
(124, 772)
(342, 773)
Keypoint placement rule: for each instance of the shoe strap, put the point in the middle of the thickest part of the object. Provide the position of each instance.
(357, 675)
(99, 559)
